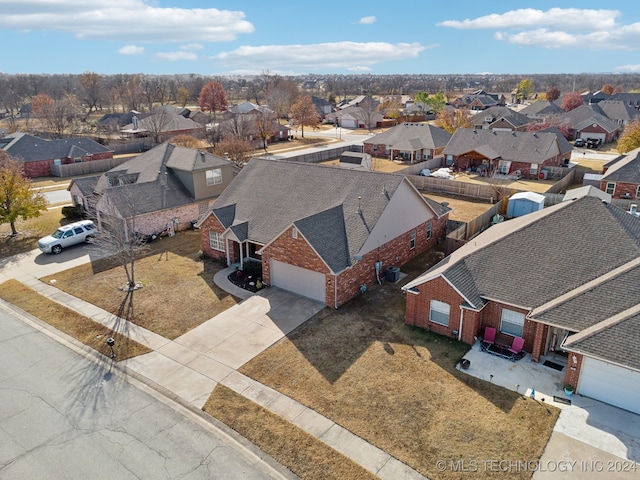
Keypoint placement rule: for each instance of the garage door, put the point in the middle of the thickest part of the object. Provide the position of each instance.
(298, 280)
(587, 135)
(610, 384)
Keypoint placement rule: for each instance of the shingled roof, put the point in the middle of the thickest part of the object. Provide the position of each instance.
(334, 209)
(542, 107)
(625, 169)
(497, 113)
(411, 136)
(28, 148)
(529, 147)
(155, 182)
(532, 260)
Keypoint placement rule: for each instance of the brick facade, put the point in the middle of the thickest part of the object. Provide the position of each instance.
(380, 151)
(621, 189)
(297, 251)
(573, 370)
(42, 168)
(465, 162)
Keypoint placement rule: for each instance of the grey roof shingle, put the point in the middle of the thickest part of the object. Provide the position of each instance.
(515, 146)
(544, 254)
(584, 115)
(335, 209)
(27, 148)
(541, 107)
(498, 113)
(616, 110)
(625, 169)
(411, 136)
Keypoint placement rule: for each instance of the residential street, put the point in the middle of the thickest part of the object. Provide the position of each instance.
(63, 416)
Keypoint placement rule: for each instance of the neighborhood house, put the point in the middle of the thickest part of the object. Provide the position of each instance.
(555, 280)
(320, 231)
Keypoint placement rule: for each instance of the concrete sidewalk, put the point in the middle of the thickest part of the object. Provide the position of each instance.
(191, 365)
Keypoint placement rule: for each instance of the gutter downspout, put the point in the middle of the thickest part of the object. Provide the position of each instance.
(335, 292)
(460, 327)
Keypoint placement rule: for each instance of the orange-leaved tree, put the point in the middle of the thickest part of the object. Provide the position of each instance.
(630, 138)
(304, 113)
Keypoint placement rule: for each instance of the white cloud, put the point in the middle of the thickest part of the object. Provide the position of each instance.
(567, 18)
(628, 68)
(176, 56)
(359, 68)
(558, 28)
(367, 20)
(133, 19)
(131, 50)
(321, 56)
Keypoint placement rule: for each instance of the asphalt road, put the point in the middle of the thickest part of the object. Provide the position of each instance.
(63, 416)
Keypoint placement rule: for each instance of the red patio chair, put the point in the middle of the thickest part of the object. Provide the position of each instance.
(489, 335)
(516, 346)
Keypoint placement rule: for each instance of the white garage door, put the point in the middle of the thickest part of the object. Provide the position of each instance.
(610, 384)
(587, 135)
(298, 280)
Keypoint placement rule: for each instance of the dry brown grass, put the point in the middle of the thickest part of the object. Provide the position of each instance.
(70, 322)
(178, 292)
(29, 232)
(397, 387)
(292, 447)
(462, 209)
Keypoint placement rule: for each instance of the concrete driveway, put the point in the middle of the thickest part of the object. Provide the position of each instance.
(591, 440)
(192, 364)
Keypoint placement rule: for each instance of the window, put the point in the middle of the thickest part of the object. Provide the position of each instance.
(534, 169)
(429, 227)
(439, 313)
(214, 177)
(610, 188)
(67, 234)
(216, 241)
(504, 166)
(512, 323)
(413, 239)
(375, 148)
(638, 191)
(387, 149)
(78, 230)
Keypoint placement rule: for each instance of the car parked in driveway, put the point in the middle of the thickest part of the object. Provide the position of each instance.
(579, 142)
(68, 235)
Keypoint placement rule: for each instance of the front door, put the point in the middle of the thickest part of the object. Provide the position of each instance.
(554, 340)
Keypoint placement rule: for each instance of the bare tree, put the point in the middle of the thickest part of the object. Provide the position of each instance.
(91, 84)
(157, 122)
(265, 121)
(234, 148)
(303, 113)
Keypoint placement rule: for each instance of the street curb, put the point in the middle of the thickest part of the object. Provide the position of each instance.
(248, 449)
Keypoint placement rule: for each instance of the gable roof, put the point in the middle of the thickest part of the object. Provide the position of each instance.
(584, 115)
(512, 262)
(167, 122)
(542, 107)
(529, 147)
(154, 182)
(28, 148)
(411, 136)
(625, 169)
(335, 209)
(497, 113)
(616, 110)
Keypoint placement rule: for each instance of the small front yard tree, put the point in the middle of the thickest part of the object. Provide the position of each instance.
(451, 120)
(17, 199)
(525, 88)
(304, 113)
(630, 138)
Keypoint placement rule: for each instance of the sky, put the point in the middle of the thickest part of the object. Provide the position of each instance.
(321, 37)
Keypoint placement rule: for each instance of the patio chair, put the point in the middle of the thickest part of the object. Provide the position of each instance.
(489, 337)
(516, 347)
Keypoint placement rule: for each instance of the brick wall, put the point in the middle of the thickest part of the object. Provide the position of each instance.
(622, 190)
(491, 315)
(156, 222)
(572, 374)
(211, 223)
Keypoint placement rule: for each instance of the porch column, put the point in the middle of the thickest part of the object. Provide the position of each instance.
(226, 247)
(241, 257)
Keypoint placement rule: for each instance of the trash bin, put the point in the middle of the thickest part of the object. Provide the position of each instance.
(392, 274)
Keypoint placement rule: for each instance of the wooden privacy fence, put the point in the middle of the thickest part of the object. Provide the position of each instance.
(323, 155)
(463, 189)
(84, 168)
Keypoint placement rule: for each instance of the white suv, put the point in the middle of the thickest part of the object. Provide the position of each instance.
(68, 235)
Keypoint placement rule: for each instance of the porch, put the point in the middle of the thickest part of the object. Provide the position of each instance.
(521, 376)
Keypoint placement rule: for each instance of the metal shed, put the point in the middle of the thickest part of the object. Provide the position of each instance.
(522, 203)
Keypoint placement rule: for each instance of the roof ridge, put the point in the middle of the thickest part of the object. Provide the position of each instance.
(603, 325)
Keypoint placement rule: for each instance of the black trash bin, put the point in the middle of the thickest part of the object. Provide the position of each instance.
(392, 274)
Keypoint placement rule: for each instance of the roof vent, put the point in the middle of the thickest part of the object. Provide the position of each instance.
(359, 209)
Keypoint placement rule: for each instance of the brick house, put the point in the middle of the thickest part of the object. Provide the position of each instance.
(165, 188)
(622, 178)
(318, 230)
(510, 153)
(479, 100)
(38, 154)
(560, 279)
(163, 124)
(587, 123)
(408, 141)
